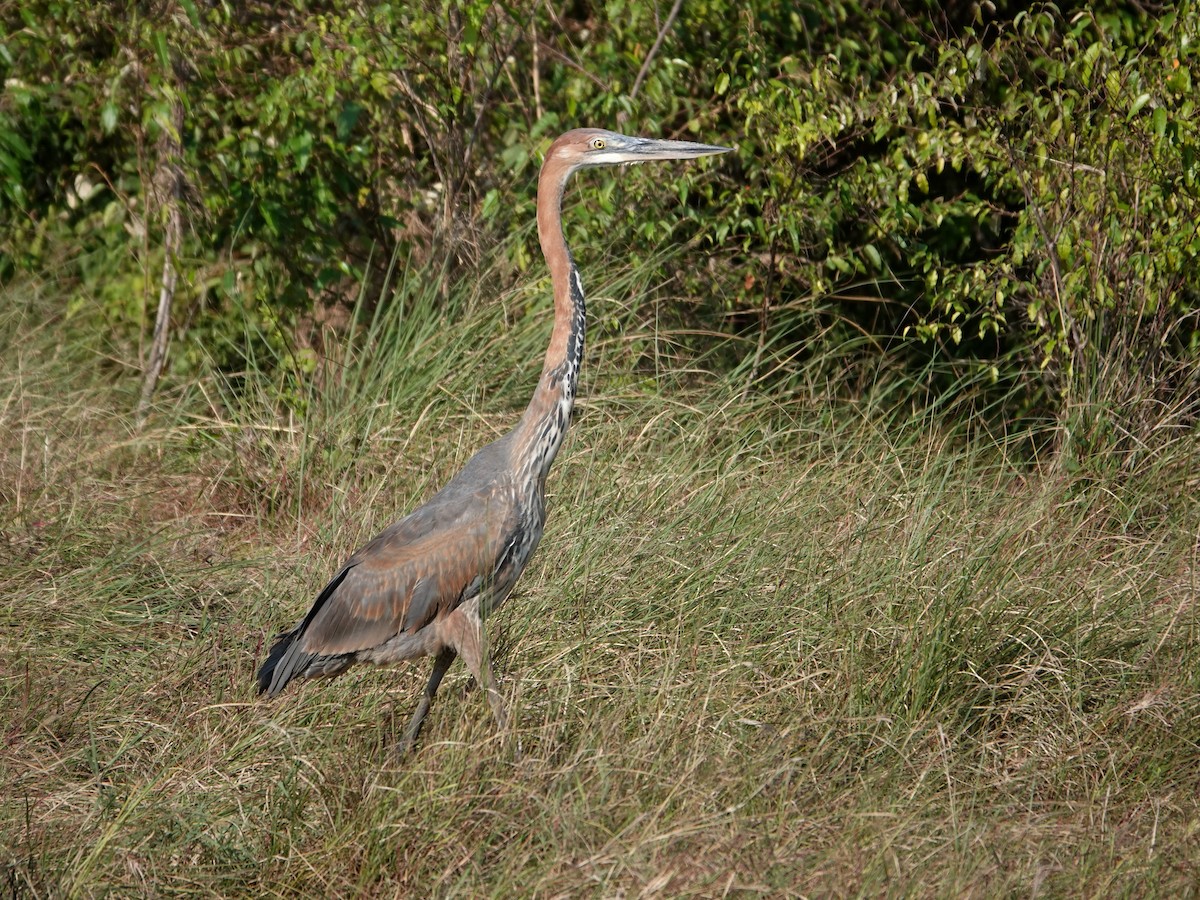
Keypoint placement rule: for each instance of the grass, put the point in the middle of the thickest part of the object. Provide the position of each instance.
(773, 643)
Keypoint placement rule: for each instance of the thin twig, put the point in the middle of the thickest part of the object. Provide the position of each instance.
(662, 33)
(171, 172)
(537, 79)
(566, 60)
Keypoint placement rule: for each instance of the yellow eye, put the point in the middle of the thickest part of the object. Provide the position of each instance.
(597, 143)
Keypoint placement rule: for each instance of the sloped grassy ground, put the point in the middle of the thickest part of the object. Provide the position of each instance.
(771, 644)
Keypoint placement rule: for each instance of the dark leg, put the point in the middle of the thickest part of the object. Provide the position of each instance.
(440, 664)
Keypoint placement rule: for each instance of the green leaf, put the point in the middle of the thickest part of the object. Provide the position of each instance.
(347, 119)
(301, 149)
(193, 15)
(164, 53)
(1141, 101)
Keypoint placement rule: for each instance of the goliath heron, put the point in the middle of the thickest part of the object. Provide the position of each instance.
(425, 584)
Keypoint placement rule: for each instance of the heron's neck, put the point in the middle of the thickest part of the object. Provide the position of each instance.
(540, 433)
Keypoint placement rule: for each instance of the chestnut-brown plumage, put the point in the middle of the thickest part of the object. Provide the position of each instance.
(423, 586)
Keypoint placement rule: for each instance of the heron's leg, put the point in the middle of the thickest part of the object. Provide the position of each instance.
(486, 677)
(470, 639)
(440, 664)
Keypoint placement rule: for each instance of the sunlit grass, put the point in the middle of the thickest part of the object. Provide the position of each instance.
(773, 642)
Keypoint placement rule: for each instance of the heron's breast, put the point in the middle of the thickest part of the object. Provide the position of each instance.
(518, 547)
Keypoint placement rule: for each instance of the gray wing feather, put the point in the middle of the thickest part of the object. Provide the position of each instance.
(415, 570)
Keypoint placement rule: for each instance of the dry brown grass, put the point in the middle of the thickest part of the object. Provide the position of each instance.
(775, 649)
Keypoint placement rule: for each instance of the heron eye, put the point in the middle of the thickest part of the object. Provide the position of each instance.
(597, 143)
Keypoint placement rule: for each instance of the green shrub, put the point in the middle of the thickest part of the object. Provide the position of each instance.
(1020, 193)
(1008, 192)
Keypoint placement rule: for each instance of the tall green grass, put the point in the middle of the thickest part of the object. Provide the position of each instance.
(776, 641)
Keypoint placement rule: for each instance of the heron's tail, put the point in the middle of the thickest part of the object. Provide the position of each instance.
(287, 660)
(271, 678)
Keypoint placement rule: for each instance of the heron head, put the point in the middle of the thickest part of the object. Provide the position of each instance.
(586, 147)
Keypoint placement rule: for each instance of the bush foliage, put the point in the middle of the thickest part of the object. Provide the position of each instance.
(1012, 190)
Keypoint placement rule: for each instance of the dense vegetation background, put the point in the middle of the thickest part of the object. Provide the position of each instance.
(894, 590)
(1011, 191)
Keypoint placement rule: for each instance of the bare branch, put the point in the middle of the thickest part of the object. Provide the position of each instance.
(662, 33)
